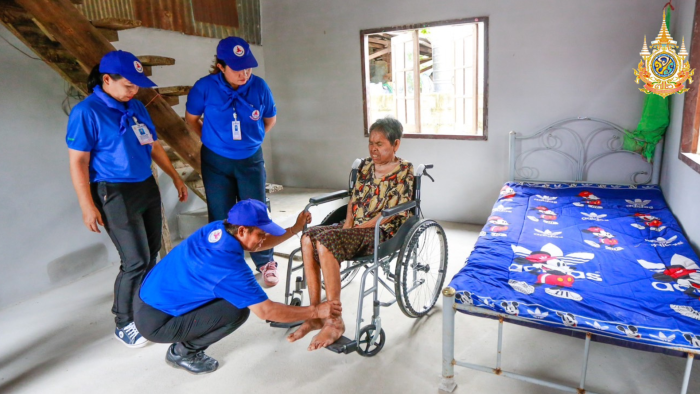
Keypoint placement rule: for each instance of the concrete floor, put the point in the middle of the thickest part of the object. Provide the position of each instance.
(62, 342)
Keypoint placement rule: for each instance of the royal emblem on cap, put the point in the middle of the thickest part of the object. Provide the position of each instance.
(214, 236)
(662, 70)
(138, 66)
(238, 51)
(255, 115)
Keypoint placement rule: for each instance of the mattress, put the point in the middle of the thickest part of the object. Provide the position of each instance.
(606, 259)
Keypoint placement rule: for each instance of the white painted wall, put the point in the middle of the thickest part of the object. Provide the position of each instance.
(547, 60)
(40, 219)
(42, 239)
(680, 183)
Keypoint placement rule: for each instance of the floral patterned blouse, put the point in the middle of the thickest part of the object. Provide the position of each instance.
(370, 196)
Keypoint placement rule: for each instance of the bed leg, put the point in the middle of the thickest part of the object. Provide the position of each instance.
(584, 368)
(686, 377)
(448, 340)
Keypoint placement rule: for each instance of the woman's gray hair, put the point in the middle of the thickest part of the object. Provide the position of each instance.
(392, 129)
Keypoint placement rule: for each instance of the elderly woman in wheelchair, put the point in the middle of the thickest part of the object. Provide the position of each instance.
(383, 181)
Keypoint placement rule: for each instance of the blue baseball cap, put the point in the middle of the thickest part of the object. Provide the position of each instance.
(254, 213)
(127, 65)
(236, 52)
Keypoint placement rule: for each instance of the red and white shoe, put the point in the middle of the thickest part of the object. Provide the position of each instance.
(269, 274)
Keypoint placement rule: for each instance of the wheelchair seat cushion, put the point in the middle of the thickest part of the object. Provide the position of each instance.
(345, 244)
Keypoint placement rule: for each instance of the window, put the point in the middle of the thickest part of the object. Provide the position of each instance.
(429, 76)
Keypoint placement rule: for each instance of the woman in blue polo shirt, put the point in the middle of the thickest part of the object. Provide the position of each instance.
(110, 142)
(232, 110)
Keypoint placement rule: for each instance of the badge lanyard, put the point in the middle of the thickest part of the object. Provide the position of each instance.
(142, 133)
(236, 125)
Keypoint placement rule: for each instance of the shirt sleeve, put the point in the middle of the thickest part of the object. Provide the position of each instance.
(268, 101)
(240, 289)
(82, 131)
(195, 99)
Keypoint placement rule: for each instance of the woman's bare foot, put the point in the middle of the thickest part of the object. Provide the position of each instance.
(305, 328)
(332, 330)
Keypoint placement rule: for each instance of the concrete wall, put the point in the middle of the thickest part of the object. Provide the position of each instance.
(680, 183)
(43, 242)
(547, 60)
(41, 221)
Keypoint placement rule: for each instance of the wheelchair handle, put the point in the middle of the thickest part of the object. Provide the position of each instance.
(421, 170)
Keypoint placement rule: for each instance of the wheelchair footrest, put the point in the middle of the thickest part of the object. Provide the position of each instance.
(343, 345)
(284, 325)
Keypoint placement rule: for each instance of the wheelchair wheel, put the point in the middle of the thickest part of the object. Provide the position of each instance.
(421, 268)
(365, 347)
(296, 301)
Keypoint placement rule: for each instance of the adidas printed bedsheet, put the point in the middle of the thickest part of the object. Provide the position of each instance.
(611, 260)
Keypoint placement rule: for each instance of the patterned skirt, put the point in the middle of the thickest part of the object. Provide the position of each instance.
(345, 244)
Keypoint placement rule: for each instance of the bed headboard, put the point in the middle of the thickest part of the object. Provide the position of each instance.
(580, 150)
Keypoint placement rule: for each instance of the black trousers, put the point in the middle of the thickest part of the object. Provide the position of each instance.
(132, 218)
(192, 332)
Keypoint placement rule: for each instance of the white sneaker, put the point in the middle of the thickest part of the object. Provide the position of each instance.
(130, 336)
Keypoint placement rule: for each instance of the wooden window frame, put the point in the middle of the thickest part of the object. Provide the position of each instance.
(365, 73)
(691, 110)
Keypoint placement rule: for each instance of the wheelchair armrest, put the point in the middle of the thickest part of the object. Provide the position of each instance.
(398, 209)
(322, 199)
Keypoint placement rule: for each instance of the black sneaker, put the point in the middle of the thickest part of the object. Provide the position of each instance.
(197, 363)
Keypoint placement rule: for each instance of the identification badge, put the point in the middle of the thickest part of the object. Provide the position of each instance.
(142, 133)
(236, 127)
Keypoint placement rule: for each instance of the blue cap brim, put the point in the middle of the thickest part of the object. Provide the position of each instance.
(238, 64)
(140, 80)
(272, 229)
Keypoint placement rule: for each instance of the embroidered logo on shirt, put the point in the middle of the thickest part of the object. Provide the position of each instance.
(138, 67)
(214, 236)
(238, 51)
(255, 115)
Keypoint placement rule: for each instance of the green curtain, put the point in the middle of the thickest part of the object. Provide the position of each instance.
(656, 115)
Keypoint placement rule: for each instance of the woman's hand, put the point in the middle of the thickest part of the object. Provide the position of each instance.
(303, 219)
(91, 218)
(181, 189)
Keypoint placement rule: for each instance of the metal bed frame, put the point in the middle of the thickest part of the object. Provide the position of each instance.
(580, 162)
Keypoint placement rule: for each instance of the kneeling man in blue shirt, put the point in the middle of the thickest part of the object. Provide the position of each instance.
(204, 290)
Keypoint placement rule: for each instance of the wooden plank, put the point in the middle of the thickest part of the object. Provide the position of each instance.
(148, 60)
(174, 90)
(384, 43)
(379, 53)
(172, 100)
(75, 33)
(43, 30)
(110, 35)
(116, 23)
(147, 71)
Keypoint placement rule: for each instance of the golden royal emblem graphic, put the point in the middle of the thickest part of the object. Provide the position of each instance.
(664, 71)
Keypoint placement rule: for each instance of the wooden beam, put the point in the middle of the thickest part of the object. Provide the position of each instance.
(116, 23)
(110, 35)
(172, 100)
(174, 90)
(379, 41)
(147, 71)
(148, 60)
(380, 53)
(80, 38)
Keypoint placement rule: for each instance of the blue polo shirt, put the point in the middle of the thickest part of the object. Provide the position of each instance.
(208, 265)
(216, 99)
(94, 127)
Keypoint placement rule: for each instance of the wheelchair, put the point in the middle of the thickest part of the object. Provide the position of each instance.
(419, 249)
